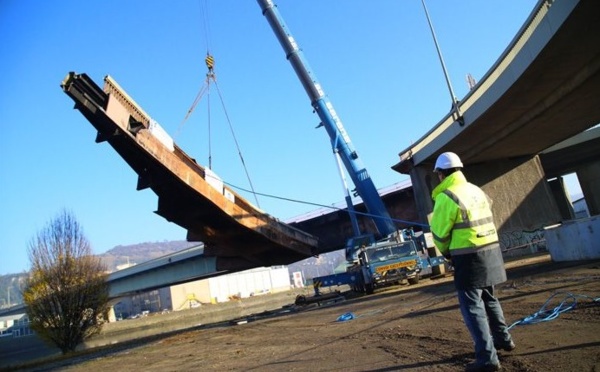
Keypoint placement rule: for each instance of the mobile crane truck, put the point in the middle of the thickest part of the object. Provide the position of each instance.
(371, 263)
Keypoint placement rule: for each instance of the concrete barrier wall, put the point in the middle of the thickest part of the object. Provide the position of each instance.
(574, 240)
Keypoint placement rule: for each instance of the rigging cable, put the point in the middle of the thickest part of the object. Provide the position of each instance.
(210, 62)
(326, 206)
(210, 76)
(237, 144)
(191, 109)
(206, 24)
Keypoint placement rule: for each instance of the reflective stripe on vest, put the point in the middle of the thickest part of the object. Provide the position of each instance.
(461, 251)
(440, 239)
(471, 243)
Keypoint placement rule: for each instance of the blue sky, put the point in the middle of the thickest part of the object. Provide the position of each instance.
(376, 61)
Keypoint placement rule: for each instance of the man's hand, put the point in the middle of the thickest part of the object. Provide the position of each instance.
(448, 258)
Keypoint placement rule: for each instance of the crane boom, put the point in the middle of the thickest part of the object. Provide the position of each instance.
(340, 140)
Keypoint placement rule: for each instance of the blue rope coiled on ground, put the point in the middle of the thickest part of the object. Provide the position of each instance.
(346, 317)
(544, 315)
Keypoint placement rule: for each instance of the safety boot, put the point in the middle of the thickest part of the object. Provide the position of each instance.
(506, 346)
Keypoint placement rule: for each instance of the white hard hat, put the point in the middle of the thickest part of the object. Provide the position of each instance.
(447, 160)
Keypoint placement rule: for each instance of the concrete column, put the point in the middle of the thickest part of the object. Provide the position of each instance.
(522, 198)
(423, 182)
(111, 314)
(589, 180)
(562, 198)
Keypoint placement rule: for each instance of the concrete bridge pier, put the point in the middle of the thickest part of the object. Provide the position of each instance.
(589, 180)
(561, 196)
(111, 314)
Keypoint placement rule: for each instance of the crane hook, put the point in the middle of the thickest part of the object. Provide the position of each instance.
(210, 63)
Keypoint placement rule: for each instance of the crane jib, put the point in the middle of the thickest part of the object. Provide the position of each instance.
(330, 120)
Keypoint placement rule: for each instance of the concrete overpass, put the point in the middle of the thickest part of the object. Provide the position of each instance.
(567, 156)
(578, 154)
(180, 267)
(542, 90)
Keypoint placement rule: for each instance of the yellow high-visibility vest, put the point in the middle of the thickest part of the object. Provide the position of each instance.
(462, 217)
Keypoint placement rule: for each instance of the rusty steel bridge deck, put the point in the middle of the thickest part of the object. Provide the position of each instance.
(237, 233)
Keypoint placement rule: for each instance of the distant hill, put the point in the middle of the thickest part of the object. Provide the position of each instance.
(142, 252)
(10, 289)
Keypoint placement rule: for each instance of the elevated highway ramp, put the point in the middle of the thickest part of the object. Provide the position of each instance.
(542, 90)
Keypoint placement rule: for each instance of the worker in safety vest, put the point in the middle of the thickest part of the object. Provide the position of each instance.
(463, 230)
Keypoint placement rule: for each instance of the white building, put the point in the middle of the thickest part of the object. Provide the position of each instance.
(16, 325)
(223, 288)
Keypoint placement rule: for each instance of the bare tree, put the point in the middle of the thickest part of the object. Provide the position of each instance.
(67, 291)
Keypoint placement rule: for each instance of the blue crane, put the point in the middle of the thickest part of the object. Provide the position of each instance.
(394, 258)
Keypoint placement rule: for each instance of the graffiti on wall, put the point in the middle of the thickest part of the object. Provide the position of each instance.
(534, 240)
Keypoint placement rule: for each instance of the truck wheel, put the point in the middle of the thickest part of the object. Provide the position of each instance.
(413, 280)
(369, 288)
